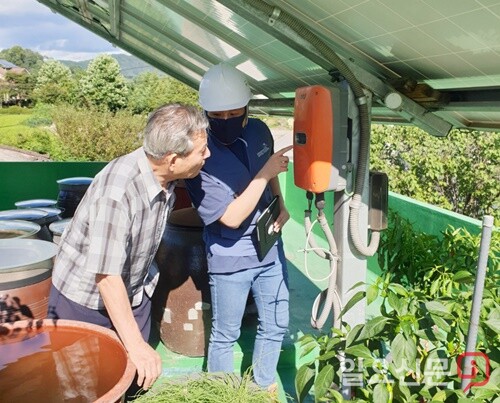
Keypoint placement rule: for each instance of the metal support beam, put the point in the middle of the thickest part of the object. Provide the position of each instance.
(472, 100)
(115, 17)
(82, 5)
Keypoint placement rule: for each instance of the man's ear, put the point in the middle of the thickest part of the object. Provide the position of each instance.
(170, 160)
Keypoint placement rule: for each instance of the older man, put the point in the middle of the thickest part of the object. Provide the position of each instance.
(104, 272)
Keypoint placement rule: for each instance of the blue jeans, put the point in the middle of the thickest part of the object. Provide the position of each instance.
(269, 286)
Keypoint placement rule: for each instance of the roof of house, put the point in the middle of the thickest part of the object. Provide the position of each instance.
(7, 65)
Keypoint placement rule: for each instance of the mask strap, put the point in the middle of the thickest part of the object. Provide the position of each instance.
(245, 121)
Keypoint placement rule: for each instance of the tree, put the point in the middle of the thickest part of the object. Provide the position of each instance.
(23, 58)
(54, 83)
(180, 92)
(103, 86)
(17, 87)
(149, 91)
(459, 173)
(146, 92)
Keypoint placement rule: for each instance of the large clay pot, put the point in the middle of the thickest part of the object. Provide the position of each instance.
(54, 215)
(182, 199)
(18, 229)
(71, 192)
(182, 303)
(25, 278)
(62, 361)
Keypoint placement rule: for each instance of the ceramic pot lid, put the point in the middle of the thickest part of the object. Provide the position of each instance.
(57, 227)
(34, 203)
(28, 227)
(23, 214)
(52, 211)
(80, 180)
(17, 254)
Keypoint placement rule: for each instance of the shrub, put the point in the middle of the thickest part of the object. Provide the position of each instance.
(35, 121)
(91, 135)
(459, 173)
(42, 142)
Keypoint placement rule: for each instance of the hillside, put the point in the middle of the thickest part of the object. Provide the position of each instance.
(130, 66)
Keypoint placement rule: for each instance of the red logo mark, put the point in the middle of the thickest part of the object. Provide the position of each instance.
(474, 369)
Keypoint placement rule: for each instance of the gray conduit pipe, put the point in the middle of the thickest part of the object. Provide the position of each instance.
(477, 297)
(362, 103)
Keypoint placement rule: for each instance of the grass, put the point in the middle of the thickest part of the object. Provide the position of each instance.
(26, 129)
(12, 127)
(207, 388)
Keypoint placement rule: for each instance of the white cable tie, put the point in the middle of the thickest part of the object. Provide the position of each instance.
(335, 256)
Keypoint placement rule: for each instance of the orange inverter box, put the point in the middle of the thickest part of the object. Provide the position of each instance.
(320, 138)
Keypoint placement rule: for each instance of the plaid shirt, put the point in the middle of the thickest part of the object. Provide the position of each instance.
(116, 230)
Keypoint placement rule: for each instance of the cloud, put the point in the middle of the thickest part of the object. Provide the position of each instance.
(34, 26)
(76, 56)
(23, 7)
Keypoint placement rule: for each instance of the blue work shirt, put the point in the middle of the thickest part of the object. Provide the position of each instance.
(224, 177)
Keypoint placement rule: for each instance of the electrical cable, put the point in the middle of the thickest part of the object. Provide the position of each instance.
(332, 302)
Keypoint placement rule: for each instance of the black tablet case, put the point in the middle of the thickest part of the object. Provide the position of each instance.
(266, 237)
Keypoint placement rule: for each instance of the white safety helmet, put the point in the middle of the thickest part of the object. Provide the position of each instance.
(223, 88)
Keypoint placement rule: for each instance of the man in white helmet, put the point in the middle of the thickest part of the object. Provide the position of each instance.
(230, 193)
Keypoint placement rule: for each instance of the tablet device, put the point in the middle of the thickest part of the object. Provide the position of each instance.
(266, 237)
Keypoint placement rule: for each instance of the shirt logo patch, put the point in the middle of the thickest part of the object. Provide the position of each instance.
(265, 149)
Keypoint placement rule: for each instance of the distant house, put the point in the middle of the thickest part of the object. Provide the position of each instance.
(10, 93)
(8, 67)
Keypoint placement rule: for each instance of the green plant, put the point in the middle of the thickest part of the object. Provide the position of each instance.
(459, 173)
(43, 142)
(409, 352)
(431, 264)
(35, 121)
(149, 91)
(207, 388)
(55, 83)
(91, 135)
(15, 110)
(102, 86)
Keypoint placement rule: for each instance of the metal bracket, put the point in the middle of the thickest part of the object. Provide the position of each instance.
(274, 16)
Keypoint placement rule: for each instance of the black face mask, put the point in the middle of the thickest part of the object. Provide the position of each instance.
(227, 130)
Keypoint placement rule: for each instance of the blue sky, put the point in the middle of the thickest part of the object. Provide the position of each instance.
(34, 26)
